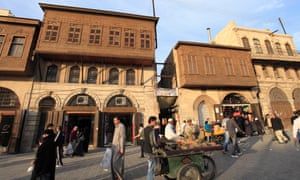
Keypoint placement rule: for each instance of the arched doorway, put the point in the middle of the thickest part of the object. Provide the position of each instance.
(235, 102)
(122, 107)
(296, 97)
(9, 104)
(281, 106)
(81, 111)
(203, 112)
(46, 107)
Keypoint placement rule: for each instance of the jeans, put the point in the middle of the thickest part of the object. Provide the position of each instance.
(226, 140)
(151, 165)
(141, 142)
(236, 148)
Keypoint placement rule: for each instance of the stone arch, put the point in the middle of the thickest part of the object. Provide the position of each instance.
(280, 105)
(296, 98)
(235, 98)
(49, 94)
(46, 106)
(124, 93)
(203, 108)
(83, 91)
(234, 103)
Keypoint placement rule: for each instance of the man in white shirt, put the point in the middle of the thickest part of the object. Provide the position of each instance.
(170, 131)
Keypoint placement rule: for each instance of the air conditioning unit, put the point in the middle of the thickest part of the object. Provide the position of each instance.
(82, 100)
(120, 101)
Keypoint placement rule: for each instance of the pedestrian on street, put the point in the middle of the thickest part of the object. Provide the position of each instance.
(278, 129)
(78, 151)
(149, 144)
(118, 150)
(72, 141)
(44, 163)
(207, 130)
(140, 139)
(59, 142)
(226, 133)
(231, 127)
(296, 131)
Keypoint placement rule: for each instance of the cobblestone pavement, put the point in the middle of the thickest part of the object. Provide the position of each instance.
(262, 159)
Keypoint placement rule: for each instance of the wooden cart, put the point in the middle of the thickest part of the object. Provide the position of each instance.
(190, 164)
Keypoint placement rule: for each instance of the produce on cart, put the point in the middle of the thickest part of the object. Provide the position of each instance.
(186, 159)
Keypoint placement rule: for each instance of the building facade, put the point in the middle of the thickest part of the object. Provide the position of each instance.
(276, 63)
(92, 65)
(17, 41)
(211, 80)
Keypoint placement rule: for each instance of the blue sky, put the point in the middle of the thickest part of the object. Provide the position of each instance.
(186, 20)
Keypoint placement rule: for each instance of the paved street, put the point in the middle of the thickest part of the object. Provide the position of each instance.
(262, 159)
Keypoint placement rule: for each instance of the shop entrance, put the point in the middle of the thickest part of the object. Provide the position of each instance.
(85, 124)
(126, 119)
(5, 131)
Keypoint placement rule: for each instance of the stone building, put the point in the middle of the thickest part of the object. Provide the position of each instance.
(211, 80)
(92, 65)
(17, 41)
(276, 64)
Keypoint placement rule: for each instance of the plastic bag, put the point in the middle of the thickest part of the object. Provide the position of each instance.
(106, 161)
(69, 150)
(30, 168)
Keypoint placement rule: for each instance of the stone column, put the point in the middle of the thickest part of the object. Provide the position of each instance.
(259, 71)
(270, 71)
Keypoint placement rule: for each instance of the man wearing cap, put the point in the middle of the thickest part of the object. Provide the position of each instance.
(189, 130)
(170, 131)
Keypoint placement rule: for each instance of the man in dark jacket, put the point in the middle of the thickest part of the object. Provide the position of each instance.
(278, 129)
(44, 164)
(149, 145)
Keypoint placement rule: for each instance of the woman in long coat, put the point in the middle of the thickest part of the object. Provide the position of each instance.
(44, 164)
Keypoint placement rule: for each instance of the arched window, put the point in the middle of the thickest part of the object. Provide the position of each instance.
(8, 99)
(114, 76)
(269, 47)
(51, 73)
(289, 49)
(130, 77)
(74, 74)
(278, 48)
(246, 42)
(92, 75)
(257, 46)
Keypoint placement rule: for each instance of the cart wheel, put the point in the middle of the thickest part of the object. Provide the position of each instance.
(209, 171)
(189, 172)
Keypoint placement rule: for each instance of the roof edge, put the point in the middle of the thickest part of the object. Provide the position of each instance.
(45, 6)
(211, 45)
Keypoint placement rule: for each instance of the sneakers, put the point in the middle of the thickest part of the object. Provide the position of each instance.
(239, 153)
(234, 156)
(224, 152)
